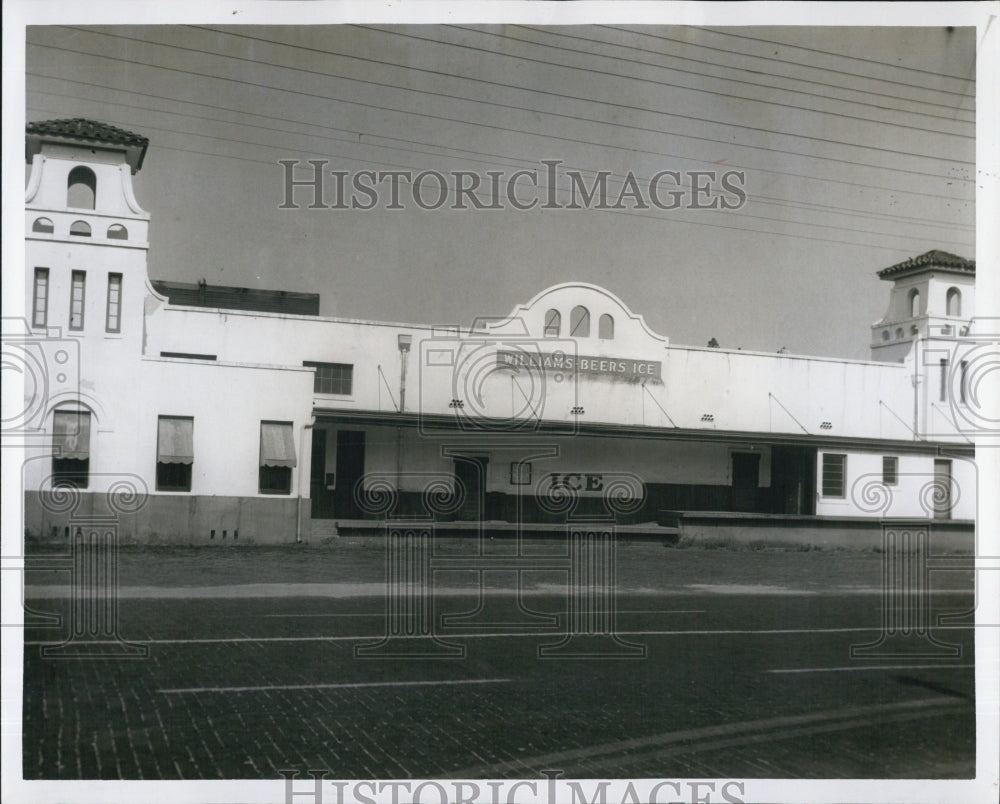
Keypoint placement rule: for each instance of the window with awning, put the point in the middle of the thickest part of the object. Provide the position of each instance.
(175, 441)
(277, 457)
(71, 448)
(174, 453)
(277, 447)
(71, 434)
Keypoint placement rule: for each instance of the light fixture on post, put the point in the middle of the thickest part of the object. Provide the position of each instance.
(404, 341)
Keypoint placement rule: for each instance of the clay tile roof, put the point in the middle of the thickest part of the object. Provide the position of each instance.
(79, 128)
(932, 259)
(84, 129)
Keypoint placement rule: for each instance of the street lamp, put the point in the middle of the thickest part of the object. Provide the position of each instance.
(404, 342)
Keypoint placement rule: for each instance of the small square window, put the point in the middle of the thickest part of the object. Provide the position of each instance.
(520, 473)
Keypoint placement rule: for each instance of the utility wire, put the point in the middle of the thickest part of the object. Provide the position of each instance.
(881, 105)
(510, 162)
(833, 53)
(522, 109)
(591, 70)
(630, 212)
(920, 87)
(355, 133)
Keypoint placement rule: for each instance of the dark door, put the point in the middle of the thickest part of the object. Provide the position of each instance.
(470, 475)
(350, 468)
(746, 473)
(793, 480)
(319, 493)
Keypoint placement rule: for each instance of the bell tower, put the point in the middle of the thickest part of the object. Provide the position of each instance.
(86, 237)
(932, 295)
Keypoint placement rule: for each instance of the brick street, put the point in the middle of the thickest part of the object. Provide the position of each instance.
(251, 669)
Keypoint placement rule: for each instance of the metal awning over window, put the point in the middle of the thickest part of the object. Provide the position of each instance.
(175, 440)
(71, 434)
(277, 447)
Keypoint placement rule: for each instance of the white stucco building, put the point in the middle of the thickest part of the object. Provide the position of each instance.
(238, 414)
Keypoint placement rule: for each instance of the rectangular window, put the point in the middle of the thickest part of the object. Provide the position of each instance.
(520, 473)
(71, 448)
(332, 378)
(113, 321)
(944, 379)
(76, 299)
(834, 468)
(40, 306)
(890, 470)
(277, 457)
(174, 453)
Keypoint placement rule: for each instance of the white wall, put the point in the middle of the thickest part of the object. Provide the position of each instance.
(866, 495)
(741, 391)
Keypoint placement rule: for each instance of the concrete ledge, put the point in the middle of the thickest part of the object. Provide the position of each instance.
(180, 519)
(824, 532)
(372, 527)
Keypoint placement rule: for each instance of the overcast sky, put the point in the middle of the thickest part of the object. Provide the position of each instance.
(857, 145)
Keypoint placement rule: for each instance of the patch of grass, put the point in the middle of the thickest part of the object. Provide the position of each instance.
(737, 546)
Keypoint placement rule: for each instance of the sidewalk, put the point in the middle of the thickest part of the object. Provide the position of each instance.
(352, 567)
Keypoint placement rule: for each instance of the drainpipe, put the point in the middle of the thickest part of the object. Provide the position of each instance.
(298, 503)
(916, 393)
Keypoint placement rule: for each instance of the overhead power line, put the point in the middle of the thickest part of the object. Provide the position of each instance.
(700, 138)
(833, 53)
(591, 70)
(492, 158)
(921, 87)
(883, 105)
(628, 212)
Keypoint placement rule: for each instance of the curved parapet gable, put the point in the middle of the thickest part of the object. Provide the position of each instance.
(534, 319)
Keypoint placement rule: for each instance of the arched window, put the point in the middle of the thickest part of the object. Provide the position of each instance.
(899, 333)
(579, 322)
(81, 190)
(954, 302)
(885, 334)
(43, 225)
(80, 229)
(606, 327)
(553, 323)
(914, 330)
(914, 303)
(117, 232)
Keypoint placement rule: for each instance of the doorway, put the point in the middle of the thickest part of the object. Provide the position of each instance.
(746, 476)
(350, 467)
(320, 485)
(470, 475)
